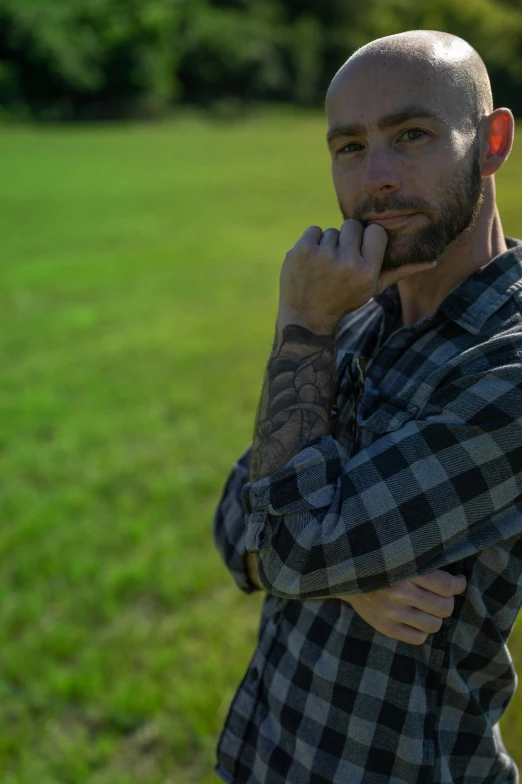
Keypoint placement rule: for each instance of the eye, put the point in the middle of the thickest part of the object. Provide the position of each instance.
(345, 148)
(413, 130)
(409, 130)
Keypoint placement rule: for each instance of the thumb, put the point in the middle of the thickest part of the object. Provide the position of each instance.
(389, 277)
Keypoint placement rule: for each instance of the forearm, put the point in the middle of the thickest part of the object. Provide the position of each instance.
(296, 399)
(295, 404)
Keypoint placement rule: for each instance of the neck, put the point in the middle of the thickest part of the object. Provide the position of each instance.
(422, 294)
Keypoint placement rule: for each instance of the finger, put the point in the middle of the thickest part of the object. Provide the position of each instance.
(441, 582)
(462, 585)
(330, 239)
(422, 621)
(408, 634)
(374, 243)
(350, 238)
(389, 277)
(430, 602)
(311, 236)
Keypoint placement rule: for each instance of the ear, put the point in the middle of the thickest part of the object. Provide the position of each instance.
(498, 133)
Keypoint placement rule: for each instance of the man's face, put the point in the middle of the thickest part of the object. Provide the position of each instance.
(418, 165)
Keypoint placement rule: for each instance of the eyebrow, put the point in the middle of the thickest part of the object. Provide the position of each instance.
(385, 122)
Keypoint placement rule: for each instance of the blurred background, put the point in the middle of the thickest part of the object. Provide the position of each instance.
(157, 160)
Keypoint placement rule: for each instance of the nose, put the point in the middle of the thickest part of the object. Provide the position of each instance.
(380, 174)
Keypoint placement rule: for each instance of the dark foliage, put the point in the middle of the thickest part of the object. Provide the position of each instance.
(92, 59)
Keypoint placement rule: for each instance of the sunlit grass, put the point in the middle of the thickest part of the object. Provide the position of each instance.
(138, 284)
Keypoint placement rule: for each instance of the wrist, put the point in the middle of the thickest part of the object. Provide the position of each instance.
(287, 316)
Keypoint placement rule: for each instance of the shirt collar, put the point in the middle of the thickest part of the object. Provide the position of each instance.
(479, 296)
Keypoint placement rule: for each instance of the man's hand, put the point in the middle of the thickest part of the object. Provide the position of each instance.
(408, 611)
(327, 275)
(412, 609)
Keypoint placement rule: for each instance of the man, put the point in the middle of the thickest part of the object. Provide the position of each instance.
(387, 449)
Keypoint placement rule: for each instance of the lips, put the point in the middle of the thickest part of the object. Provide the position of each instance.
(396, 220)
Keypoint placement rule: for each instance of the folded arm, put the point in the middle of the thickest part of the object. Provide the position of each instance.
(440, 488)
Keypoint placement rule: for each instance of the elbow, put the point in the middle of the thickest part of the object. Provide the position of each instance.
(301, 567)
(282, 580)
(276, 578)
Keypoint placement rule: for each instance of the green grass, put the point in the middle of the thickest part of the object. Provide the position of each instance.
(138, 288)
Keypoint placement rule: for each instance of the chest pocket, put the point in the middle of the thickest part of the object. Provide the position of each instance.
(381, 415)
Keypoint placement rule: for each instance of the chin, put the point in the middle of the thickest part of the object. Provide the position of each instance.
(395, 256)
(398, 253)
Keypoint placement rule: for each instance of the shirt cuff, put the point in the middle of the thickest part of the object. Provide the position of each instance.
(306, 483)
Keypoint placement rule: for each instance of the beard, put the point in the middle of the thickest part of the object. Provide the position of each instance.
(461, 202)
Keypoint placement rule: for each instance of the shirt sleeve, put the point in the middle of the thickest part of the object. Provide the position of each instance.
(228, 527)
(441, 487)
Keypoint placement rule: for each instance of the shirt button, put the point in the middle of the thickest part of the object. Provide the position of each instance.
(276, 616)
(254, 674)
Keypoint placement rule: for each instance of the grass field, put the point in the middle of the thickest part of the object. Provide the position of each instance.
(138, 284)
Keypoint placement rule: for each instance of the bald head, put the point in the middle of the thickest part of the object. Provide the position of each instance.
(454, 70)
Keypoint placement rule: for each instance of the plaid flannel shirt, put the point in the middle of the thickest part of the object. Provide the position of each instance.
(423, 471)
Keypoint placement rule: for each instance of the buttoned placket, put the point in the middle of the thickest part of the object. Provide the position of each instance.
(393, 347)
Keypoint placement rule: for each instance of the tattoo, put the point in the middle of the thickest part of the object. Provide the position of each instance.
(296, 399)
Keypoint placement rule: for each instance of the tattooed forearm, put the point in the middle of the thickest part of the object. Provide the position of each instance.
(296, 400)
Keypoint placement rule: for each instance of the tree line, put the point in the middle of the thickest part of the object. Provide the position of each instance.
(96, 59)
